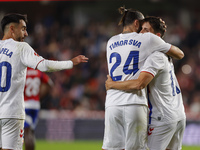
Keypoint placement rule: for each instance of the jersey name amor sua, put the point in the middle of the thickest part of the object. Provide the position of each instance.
(125, 42)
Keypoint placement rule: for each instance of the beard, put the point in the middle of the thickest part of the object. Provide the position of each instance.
(139, 29)
(20, 39)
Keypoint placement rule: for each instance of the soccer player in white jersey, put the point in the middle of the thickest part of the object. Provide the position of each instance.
(167, 116)
(126, 114)
(15, 57)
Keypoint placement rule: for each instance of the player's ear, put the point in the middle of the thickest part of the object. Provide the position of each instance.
(136, 24)
(11, 28)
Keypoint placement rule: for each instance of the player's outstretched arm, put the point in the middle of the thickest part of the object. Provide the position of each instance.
(143, 80)
(175, 52)
(51, 66)
(79, 59)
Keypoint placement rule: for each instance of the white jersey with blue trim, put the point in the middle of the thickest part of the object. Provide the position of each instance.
(14, 59)
(126, 54)
(165, 98)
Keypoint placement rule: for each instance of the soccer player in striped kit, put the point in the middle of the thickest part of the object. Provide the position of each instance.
(37, 85)
(167, 116)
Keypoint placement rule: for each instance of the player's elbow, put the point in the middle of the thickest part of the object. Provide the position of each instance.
(181, 55)
(176, 53)
(141, 86)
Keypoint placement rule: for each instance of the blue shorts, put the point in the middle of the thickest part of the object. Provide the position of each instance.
(31, 118)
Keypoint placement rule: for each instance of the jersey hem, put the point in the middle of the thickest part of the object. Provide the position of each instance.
(126, 105)
(8, 117)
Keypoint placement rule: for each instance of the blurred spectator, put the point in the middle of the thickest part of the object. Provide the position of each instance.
(195, 104)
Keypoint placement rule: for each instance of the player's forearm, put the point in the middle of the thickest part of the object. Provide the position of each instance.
(128, 85)
(175, 52)
(51, 66)
(143, 80)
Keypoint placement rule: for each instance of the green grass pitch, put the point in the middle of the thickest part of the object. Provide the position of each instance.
(81, 145)
(68, 145)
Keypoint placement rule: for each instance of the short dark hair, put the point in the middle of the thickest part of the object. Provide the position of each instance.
(129, 15)
(12, 17)
(157, 24)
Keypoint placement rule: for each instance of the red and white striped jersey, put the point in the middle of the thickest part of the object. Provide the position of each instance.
(34, 79)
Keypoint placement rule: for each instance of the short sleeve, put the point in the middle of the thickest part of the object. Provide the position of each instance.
(154, 63)
(28, 56)
(158, 44)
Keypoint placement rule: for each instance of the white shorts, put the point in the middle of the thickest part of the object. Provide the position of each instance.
(11, 133)
(168, 136)
(126, 127)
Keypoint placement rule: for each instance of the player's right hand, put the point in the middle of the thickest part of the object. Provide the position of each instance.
(79, 59)
(108, 83)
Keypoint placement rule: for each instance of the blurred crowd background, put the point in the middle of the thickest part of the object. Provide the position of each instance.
(60, 30)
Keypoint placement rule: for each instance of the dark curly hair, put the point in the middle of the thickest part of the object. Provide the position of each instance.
(157, 24)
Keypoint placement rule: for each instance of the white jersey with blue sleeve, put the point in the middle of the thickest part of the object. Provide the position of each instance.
(126, 54)
(165, 98)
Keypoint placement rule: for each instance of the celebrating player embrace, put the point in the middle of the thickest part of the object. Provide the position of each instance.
(167, 116)
(126, 113)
